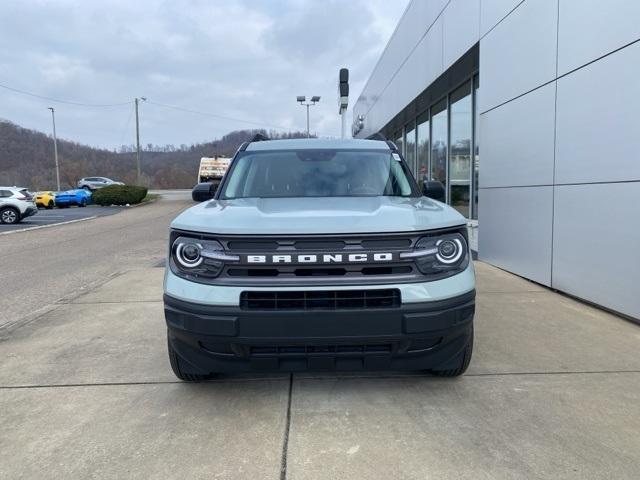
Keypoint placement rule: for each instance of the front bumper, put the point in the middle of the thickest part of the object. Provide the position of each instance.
(412, 336)
(31, 210)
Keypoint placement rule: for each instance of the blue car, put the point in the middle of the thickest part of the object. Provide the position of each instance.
(78, 197)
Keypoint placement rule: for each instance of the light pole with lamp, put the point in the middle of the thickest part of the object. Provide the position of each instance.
(302, 100)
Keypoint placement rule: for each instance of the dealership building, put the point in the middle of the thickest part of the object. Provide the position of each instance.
(529, 113)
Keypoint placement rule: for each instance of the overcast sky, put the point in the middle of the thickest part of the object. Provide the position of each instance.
(244, 59)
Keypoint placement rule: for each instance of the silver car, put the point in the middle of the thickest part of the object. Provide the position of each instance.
(15, 204)
(94, 183)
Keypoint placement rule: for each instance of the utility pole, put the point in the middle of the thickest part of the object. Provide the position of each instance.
(137, 145)
(55, 148)
(301, 100)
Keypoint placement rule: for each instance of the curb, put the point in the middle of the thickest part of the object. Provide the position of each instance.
(47, 226)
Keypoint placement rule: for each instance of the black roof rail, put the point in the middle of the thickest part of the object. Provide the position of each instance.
(259, 137)
(243, 146)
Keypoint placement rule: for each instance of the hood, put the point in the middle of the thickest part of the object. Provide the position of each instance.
(319, 215)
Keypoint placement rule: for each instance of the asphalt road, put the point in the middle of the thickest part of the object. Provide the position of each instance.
(59, 215)
(86, 391)
(41, 266)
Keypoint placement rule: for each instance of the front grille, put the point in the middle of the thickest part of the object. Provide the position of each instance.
(285, 272)
(320, 300)
(322, 273)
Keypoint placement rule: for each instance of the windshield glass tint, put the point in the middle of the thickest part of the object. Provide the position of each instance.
(317, 173)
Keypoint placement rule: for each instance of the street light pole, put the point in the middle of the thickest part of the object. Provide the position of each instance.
(302, 100)
(137, 145)
(55, 148)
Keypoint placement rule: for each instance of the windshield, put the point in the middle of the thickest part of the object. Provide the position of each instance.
(318, 173)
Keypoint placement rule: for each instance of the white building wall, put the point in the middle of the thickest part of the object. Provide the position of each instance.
(559, 103)
(411, 61)
(559, 125)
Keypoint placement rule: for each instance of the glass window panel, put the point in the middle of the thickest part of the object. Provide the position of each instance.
(439, 142)
(476, 156)
(398, 142)
(422, 139)
(460, 153)
(410, 147)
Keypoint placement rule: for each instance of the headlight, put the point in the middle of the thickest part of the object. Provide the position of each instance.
(195, 258)
(440, 255)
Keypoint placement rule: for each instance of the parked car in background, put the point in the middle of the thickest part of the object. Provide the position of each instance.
(79, 197)
(93, 183)
(16, 204)
(45, 199)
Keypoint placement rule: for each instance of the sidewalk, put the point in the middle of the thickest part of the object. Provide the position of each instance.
(553, 391)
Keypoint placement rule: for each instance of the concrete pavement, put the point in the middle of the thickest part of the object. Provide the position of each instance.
(553, 391)
(38, 267)
(86, 391)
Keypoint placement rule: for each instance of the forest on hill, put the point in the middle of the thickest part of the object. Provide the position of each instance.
(27, 159)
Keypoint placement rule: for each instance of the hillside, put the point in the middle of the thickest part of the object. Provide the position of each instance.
(27, 159)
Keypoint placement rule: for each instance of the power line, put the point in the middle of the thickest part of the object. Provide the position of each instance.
(164, 105)
(209, 114)
(68, 102)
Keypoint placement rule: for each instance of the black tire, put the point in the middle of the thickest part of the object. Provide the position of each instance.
(50, 205)
(9, 215)
(83, 203)
(87, 188)
(465, 360)
(174, 360)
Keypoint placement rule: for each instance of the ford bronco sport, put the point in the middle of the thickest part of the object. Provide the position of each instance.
(319, 255)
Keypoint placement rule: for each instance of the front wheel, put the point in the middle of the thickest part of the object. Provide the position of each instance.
(50, 205)
(83, 203)
(86, 188)
(458, 365)
(9, 216)
(174, 360)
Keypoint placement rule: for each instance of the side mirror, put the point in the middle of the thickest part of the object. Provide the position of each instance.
(434, 189)
(203, 192)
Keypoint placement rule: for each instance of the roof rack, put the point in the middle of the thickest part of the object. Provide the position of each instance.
(259, 137)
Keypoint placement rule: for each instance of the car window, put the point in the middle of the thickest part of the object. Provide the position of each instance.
(5, 193)
(319, 173)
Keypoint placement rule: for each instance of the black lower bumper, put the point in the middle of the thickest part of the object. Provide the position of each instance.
(418, 336)
(30, 211)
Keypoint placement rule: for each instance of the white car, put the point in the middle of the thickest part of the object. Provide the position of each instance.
(15, 204)
(94, 183)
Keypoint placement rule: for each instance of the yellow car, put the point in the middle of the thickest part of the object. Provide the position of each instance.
(45, 199)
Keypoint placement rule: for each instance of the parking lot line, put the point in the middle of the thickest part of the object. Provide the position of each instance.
(48, 225)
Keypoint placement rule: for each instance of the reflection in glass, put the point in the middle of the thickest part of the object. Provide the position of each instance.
(410, 147)
(439, 142)
(476, 162)
(460, 155)
(423, 148)
(398, 142)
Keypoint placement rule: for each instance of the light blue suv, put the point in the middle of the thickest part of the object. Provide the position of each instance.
(319, 255)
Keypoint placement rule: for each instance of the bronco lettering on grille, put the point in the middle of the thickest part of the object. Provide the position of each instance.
(320, 258)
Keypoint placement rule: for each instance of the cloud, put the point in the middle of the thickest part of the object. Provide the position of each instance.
(246, 59)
